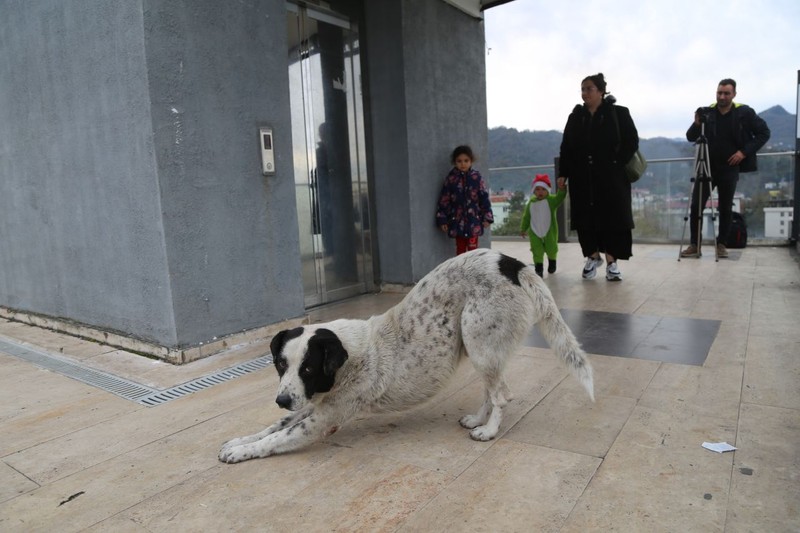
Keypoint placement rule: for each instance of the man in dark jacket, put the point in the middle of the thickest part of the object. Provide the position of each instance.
(734, 133)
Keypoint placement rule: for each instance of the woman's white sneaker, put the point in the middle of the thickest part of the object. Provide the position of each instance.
(613, 273)
(590, 269)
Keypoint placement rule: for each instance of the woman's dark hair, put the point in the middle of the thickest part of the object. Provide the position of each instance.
(463, 149)
(599, 81)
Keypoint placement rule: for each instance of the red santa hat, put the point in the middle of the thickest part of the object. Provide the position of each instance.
(541, 180)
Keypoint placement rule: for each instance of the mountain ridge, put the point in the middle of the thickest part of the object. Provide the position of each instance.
(509, 147)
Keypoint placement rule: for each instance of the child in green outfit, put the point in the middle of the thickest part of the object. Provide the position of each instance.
(539, 222)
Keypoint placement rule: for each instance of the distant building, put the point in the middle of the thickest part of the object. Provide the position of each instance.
(778, 222)
(500, 207)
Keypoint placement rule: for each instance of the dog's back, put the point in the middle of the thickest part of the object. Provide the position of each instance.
(481, 304)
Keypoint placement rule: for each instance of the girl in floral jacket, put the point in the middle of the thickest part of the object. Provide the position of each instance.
(464, 207)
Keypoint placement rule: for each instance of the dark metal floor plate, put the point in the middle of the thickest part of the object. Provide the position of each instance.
(671, 340)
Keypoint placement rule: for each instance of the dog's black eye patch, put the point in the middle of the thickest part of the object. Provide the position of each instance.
(510, 267)
(325, 355)
(280, 364)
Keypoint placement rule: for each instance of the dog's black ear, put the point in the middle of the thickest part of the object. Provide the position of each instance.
(334, 353)
(278, 341)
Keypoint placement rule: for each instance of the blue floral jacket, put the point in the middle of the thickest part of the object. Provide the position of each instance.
(464, 204)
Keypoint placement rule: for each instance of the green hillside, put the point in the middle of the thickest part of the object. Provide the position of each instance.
(509, 147)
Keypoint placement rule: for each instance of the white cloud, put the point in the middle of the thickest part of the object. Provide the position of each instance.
(662, 60)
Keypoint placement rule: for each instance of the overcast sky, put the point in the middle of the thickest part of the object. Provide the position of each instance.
(660, 59)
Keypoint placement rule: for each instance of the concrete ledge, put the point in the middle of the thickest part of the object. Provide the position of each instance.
(174, 355)
(396, 288)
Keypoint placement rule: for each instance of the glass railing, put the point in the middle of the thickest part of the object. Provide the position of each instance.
(660, 199)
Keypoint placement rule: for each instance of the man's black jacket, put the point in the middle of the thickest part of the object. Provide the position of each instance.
(751, 133)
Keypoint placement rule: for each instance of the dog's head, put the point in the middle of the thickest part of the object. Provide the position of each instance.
(306, 360)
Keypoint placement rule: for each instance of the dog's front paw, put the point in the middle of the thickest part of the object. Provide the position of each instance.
(234, 454)
(482, 433)
(471, 421)
(235, 442)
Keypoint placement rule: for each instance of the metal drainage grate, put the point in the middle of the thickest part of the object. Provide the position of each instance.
(122, 387)
(205, 382)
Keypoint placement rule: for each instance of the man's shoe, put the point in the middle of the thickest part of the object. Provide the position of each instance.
(539, 267)
(613, 273)
(721, 250)
(590, 269)
(551, 266)
(690, 251)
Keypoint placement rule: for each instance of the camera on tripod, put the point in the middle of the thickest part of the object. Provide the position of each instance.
(703, 113)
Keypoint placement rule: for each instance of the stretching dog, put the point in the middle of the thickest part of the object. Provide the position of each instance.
(480, 305)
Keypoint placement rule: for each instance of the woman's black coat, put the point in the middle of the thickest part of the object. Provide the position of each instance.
(593, 157)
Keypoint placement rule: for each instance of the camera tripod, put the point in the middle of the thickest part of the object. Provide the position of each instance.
(701, 179)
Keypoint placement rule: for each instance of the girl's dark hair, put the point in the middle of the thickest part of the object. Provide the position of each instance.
(599, 81)
(463, 149)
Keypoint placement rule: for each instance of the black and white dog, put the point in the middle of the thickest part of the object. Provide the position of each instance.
(478, 305)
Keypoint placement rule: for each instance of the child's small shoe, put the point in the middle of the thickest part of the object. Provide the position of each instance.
(551, 265)
(539, 269)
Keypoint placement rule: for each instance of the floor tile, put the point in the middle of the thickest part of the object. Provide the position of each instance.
(765, 492)
(304, 490)
(513, 487)
(772, 372)
(657, 477)
(564, 420)
(108, 488)
(78, 450)
(695, 391)
(13, 483)
(42, 417)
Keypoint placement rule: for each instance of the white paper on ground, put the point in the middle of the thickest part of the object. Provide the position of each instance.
(718, 447)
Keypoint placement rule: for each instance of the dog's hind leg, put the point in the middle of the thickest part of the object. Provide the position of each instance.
(482, 416)
(479, 418)
(486, 422)
(495, 401)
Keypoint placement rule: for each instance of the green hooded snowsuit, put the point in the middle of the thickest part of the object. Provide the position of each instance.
(539, 221)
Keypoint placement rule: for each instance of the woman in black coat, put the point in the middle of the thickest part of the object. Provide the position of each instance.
(599, 139)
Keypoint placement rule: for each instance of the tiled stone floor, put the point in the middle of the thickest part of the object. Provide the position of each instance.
(76, 458)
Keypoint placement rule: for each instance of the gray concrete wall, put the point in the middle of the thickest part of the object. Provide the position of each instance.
(427, 95)
(131, 197)
(217, 71)
(388, 131)
(80, 211)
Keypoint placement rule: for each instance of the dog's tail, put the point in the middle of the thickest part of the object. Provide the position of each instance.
(558, 335)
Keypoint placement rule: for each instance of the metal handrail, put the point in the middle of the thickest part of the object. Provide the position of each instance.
(666, 160)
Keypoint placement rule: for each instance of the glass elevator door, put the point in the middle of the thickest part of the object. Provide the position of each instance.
(328, 151)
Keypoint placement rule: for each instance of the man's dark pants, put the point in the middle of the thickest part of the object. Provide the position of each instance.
(724, 179)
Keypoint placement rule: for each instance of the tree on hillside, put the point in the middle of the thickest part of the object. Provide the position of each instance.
(511, 225)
